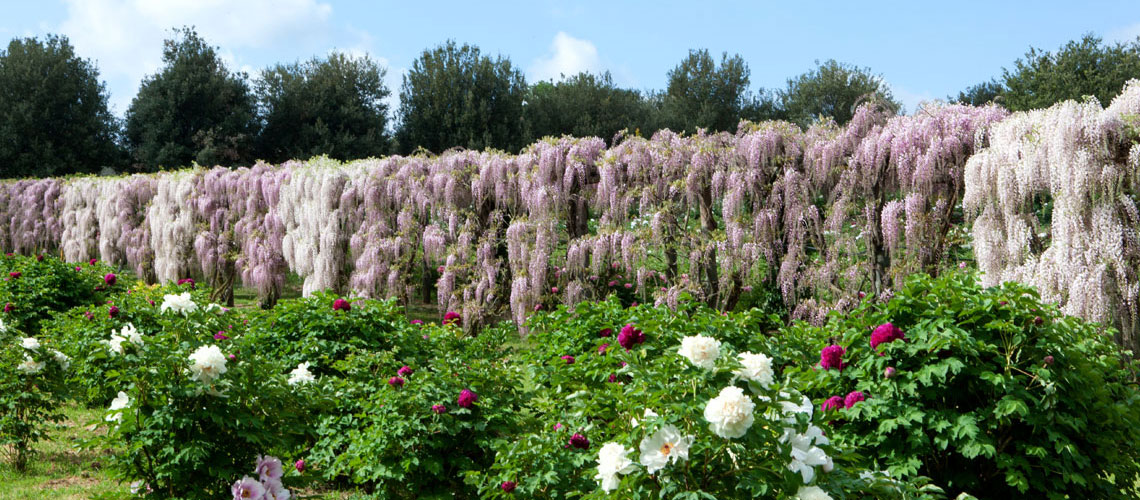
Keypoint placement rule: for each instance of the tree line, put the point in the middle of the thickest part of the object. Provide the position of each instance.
(55, 120)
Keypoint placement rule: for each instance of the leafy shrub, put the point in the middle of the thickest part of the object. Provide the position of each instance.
(990, 392)
(31, 376)
(31, 289)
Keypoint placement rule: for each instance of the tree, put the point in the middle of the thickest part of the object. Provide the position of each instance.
(194, 109)
(455, 96)
(333, 107)
(832, 89)
(702, 94)
(53, 111)
(585, 105)
(1078, 69)
(980, 94)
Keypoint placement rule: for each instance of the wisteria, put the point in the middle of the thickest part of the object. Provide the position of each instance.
(821, 217)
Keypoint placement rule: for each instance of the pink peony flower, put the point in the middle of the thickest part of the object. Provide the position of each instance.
(417, 322)
(247, 488)
(832, 357)
(862, 295)
(629, 285)
(88, 315)
(885, 334)
(508, 486)
(602, 348)
(8, 307)
(557, 425)
(613, 378)
(613, 284)
(113, 311)
(299, 465)
(220, 336)
(630, 336)
(537, 307)
(452, 318)
(15, 274)
(341, 305)
(396, 382)
(187, 281)
(467, 398)
(579, 441)
(832, 403)
(606, 332)
(110, 279)
(78, 268)
(439, 409)
(150, 301)
(852, 398)
(269, 468)
(93, 261)
(568, 359)
(404, 371)
(232, 357)
(889, 372)
(553, 289)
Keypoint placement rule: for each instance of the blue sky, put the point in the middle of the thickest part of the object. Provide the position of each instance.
(923, 50)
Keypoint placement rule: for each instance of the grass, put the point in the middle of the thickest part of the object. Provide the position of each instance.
(60, 470)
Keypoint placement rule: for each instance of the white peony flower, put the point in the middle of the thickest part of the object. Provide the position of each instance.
(813, 436)
(301, 375)
(700, 350)
(181, 303)
(648, 413)
(30, 366)
(812, 493)
(612, 460)
(756, 368)
(215, 308)
(30, 343)
(730, 413)
(208, 363)
(114, 413)
(805, 461)
(664, 446)
(129, 332)
(3, 327)
(63, 360)
(115, 344)
(791, 409)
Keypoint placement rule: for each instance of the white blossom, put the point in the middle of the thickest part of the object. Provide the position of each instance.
(208, 363)
(181, 303)
(730, 413)
(63, 360)
(805, 461)
(301, 374)
(664, 446)
(30, 343)
(812, 493)
(756, 368)
(700, 350)
(3, 327)
(648, 413)
(612, 461)
(30, 366)
(129, 332)
(114, 413)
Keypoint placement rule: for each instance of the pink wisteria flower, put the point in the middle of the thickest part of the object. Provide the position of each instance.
(467, 398)
(341, 305)
(831, 357)
(852, 398)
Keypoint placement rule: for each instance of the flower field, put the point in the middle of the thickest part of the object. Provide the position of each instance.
(933, 306)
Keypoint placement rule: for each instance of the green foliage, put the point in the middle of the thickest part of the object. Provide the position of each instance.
(981, 94)
(31, 393)
(993, 393)
(45, 287)
(193, 110)
(703, 94)
(455, 96)
(53, 111)
(586, 105)
(333, 106)
(1084, 67)
(833, 89)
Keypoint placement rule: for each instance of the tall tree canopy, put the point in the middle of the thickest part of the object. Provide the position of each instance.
(981, 94)
(585, 105)
(832, 89)
(455, 96)
(54, 118)
(332, 106)
(702, 94)
(194, 109)
(1082, 67)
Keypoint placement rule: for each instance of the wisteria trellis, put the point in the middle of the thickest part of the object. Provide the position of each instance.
(825, 215)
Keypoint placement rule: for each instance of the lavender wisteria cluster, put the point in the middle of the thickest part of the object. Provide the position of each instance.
(824, 216)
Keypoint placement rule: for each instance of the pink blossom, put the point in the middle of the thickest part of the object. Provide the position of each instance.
(88, 315)
(832, 357)
(961, 265)
(269, 468)
(187, 281)
(439, 269)
(220, 336)
(889, 372)
(568, 359)
(886, 333)
(93, 261)
(579, 441)
(606, 332)
(15, 274)
(553, 289)
(630, 336)
(852, 398)
(112, 312)
(452, 318)
(417, 322)
(232, 357)
(439, 409)
(557, 425)
(247, 488)
(404, 371)
(110, 279)
(396, 382)
(299, 465)
(1049, 360)
(508, 486)
(467, 398)
(537, 307)
(341, 305)
(613, 284)
(613, 378)
(832, 403)
(602, 348)
(40, 258)
(629, 285)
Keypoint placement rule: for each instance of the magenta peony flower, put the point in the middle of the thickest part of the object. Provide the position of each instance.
(78, 268)
(269, 468)
(299, 465)
(248, 488)
(113, 311)
(614, 265)
(553, 289)
(88, 315)
(232, 357)
(630, 336)
(613, 378)
(404, 371)
(508, 486)
(15, 274)
(187, 281)
(629, 285)
(579, 441)
(341, 305)
(889, 372)
(557, 425)
(885, 334)
(417, 322)
(220, 336)
(40, 258)
(396, 382)
(568, 359)
(852, 398)
(602, 348)
(832, 403)
(606, 332)
(467, 398)
(452, 318)
(862, 295)
(439, 409)
(8, 307)
(150, 301)
(832, 357)
(110, 279)
(93, 261)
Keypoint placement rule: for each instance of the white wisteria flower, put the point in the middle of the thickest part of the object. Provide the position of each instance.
(63, 360)
(700, 350)
(812, 493)
(30, 366)
(756, 368)
(181, 303)
(730, 413)
(208, 363)
(664, 446)
(121, 402)
(648, 413)
(30, 343)
(612, 460)
(301, 374)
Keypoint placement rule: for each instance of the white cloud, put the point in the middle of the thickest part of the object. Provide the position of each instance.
(1124, 34)
(568, 56)
(125, 37)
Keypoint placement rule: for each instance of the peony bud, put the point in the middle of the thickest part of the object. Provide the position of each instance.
(1049, 360)
(299, 465)
(889, 372)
